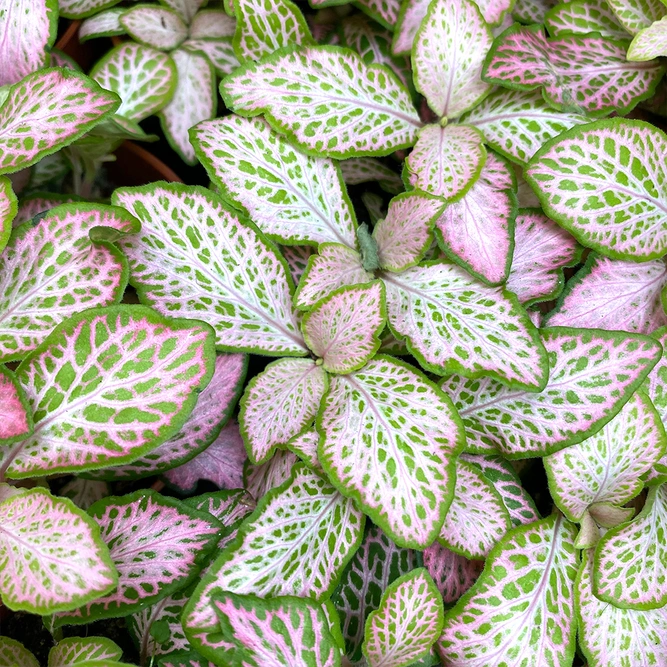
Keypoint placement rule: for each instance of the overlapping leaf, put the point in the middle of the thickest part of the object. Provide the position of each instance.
(212, 23)
(15, 415)
(367, 169)
(77, 9)
(649, 43)
(638, 14)
(584, 16)
(186, 9)
(409, 19)
(71, 651)
(385, 12)
(8, 210)
(305, 447)
(84, 492)
(158, 27)
(453, 574)
(185, 659)
(260, 479)
(219, 52)
(13, 653)
(105, 24)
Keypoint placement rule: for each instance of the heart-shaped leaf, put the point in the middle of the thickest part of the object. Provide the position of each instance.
(37, 529)
(15, 415)
(225, 269)
(403, 479)
(108, 385)
(528, 582)
(452, 574)
(14, 654)
(46, 111)
(105, 24)
(448, 54)
(84, 492)
(54, 269)
(71, 651)
(158, 27)
(492, 335)
(157, 545)
(368, 169)
(635, 15)
(291, 197)
(260, 479)
(592, 375)
(586, 72)
(584, 16)
(649, 43)
(327, 100)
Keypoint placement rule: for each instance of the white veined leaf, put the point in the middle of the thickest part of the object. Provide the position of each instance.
(608, 467)
(327, 100)
(407, 623)
(453, 323)
(143, 78)
(108, 385)
(213, 23)
(606, 183)
(528, 582)
(447, 56)
(158, 27)
(584, 16)
(194, 100)
(219, 52)
(477, 517)
(264, 26)
(367, 169)
(105, 24)
(402, 478)
(280, 403)
(657, 391)
(477, 230)
(46, 111)
(78, 9)
(221, 463)
(635, 15)
(411, 15)
(260, 479)
(305, 447)
(405, 234)
(385, 12)
(649, 43)
(609, 634)
(37, 529)
(592, 375)
(28, 29)
(14, 654)
(8, 210)
(532, 11)
(453, 574)
(297, 542)
(615, 295)
(271, 633)
(157, 545)
(71, 651)
(291, 197)
(343, 329)
(84, 492)
(333, 267)
(541, 250)
(186, 9)
(496, 12)
(586, 73)
(630, 568)
(53, 269)
(297, 257)
(224, 271)
(517, 123)
(446, 161)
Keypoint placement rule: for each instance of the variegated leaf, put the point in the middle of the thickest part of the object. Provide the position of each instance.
(385, 12)
(143, 78)
(297, 257)
(108, 385)
(334, 267)
(54, 269)
(212, 23)
(219, 52)
(15, 413)
(105, 24)
(492, 334)
(291, 197)
(343, 329)
(635, 15)
(46, 111)
(520, 609)
(411, 15)
(157, 545)
(532, 11)
(407, 623)
(305, 447)
(8, 210)
(227, 506)
(186, 9)
(367, 169)
(592, 375)
(33, 205)
(477, 231)
(655, 387)
(517, 123)
(453, 574)
(158, 27)
(606, 183)
(224, 271)
(14, 654)
(581, 73)
(39, 530)
(184, 659)
(402, 478)
(84, 492)
(260, 479)
(327, 100)
(280, 403)
(584, 16)
(71, 651)
(541, 250)
(78, 9)
(447, 56)
(649, 43)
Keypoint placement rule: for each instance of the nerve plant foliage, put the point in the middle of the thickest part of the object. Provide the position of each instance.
(369, 509)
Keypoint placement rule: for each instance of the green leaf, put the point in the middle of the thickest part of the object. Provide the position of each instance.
(8, 210)
(71, 651)
(385, 12)
(186, 9)
(635, 15)
(157, 27)
(14, 654)
(584, 16)
(649, 43)
(78, 9)
(219, 52)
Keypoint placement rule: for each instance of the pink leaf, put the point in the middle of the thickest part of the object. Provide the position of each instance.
(15, 419)
(260, 479)
(453, 574)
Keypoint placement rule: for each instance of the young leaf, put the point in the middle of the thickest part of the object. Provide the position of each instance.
(271, 633)
(46, 111)
(105, 24)
(492, 334)
(157, 545)
(344, 328)
(53, 269)
(453, 574)
(223, 270)
(592, 375)
(521, 604)
(403, 479)
(367, 169)
(327, 100)
(297, 257)
(649, 43)
(609, 466)
(305, 447)
(516, 123)
(71, 651)
(630, 569)
(219, 51)
(260, 479)
(447, 56)
(15, 415)
(586, 72)
(84, 492)
(637, 14)
(158, 27)
(14, 654)
(477, 230)
(541, 250)
(39, 531)
(291, 197)
(108, 385)
(410, 17)
(143, 78)
(334, 267)
(186, 9)
(584, 16)
(606, 183)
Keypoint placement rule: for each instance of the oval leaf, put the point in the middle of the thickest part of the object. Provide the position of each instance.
(14, 654)
(158, 27)
(71, 651)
